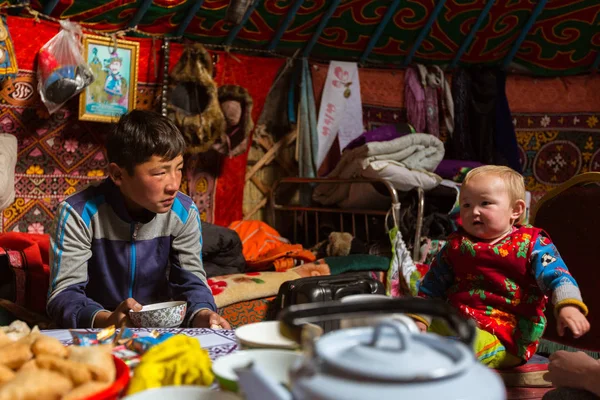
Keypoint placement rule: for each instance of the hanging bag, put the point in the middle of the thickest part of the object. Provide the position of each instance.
(62, 72)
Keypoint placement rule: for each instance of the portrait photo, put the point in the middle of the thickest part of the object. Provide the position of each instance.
(113, 92)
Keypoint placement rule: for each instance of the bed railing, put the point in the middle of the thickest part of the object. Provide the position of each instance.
(303, 210)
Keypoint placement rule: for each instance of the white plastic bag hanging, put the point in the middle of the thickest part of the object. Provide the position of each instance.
(62, 72)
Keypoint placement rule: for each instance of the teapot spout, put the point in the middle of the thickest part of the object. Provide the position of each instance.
(257, 385)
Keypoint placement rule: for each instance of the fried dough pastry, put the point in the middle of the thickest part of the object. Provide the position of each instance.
(77, 372)
(50, 346)
(35, 385)
(15, 354)
(86, 390)
(16, 330)
(29, 365)
(4, 339)
(6, 374)
(98, 359)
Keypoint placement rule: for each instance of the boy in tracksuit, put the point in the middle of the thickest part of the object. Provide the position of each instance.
(132, 239)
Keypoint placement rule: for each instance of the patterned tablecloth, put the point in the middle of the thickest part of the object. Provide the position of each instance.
(217, 342)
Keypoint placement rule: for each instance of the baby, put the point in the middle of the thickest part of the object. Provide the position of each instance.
(498, 272)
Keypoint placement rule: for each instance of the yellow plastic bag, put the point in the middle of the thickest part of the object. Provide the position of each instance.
(177, 361)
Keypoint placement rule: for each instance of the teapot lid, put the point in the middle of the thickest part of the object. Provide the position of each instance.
(390, 351)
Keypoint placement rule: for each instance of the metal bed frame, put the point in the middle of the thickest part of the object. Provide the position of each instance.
(304, 211)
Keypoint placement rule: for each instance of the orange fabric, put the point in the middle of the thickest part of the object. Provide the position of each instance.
(553, 95)
(31, 269)
(263, 247)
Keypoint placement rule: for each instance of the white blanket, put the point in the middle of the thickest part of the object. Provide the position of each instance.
(406, 162)
(8, 160)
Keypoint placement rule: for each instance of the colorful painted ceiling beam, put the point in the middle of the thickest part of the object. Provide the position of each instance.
(140, 13)
(236, 29)
(322, 23)
(424, 32)
(50, 6)
(534, 15)
(469, 39)
(377, 34)
(285, 24)
(189, 17)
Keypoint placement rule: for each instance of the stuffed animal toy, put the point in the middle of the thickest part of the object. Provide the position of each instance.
(339, 244)
(192, 102)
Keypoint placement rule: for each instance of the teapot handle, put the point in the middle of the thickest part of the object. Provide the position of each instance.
(294, 317)
(402, 326)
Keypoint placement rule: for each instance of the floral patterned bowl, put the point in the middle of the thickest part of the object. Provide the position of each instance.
(160, 315)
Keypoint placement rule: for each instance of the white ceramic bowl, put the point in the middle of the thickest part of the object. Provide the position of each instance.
(263, 335)
(159, 315)
(182, 393)
(274, 362)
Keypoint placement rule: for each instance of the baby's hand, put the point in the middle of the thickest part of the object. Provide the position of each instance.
(571, 317)
(422, 327)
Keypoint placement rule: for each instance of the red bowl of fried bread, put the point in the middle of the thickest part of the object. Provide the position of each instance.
(36, 366)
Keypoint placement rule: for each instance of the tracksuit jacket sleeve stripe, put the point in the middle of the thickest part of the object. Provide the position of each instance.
(70, 250)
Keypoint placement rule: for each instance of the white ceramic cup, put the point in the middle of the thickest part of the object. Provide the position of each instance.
(372, 321)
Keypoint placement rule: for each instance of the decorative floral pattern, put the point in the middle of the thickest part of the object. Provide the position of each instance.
(36, 227)
(217, 286)
(169, 317)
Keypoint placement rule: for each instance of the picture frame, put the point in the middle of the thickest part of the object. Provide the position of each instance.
(114, 90)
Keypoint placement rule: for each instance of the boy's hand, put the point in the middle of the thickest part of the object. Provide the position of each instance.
(117, 317)
(572, 318)
(575, 370)
(209, 319)
(422, 327)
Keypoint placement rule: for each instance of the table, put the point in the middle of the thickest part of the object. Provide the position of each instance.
(218, 342)
(221, 342)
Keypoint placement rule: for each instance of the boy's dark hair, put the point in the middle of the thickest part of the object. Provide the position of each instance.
(139, 135)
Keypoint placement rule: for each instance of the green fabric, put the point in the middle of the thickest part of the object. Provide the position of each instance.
(548, 347)
(357, 262)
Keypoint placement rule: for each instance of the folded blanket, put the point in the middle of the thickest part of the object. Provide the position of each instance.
(230, 289)
(416, 155)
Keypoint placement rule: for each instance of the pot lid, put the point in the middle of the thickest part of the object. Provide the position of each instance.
(389, 351)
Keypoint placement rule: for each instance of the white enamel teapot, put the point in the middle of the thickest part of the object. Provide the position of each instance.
(391, 360)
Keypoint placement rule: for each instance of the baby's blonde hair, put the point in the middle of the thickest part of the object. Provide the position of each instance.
(514, 182)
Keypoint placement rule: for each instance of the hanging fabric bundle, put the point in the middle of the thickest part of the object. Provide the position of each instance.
(192, 102)
(236, 105)
(414, 96)
(403, 274)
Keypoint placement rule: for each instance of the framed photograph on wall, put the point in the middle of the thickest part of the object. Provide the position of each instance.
(113, 92)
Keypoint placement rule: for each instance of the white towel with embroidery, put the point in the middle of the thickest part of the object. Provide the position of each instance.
(8, 161)
(340, 113)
